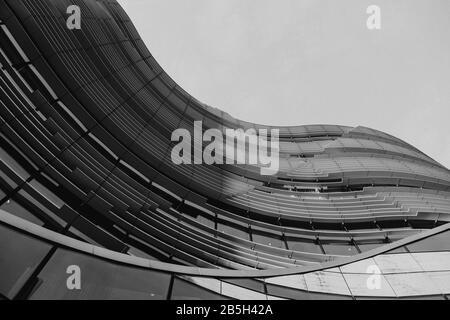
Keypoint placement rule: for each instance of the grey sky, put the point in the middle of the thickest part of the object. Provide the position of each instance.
(294, 62)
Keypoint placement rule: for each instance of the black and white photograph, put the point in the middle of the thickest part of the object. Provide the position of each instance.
(257, 153)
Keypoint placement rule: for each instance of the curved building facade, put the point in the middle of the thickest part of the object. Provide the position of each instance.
(87, 180)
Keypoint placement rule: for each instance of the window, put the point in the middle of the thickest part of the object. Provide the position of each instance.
(251, 284)
(100, 279)
(438, 242)
(398, 250)
(17, 210)
(339, 248)
(205, 221)
(237, 230)
(19, 255)
(288, 293)
(303, 245)
(184, 290)
(367, 246)
(266, 238)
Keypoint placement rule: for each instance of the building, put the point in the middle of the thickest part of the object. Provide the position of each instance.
(87, 182)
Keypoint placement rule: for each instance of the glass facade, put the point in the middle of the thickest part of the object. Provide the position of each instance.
(86, 179)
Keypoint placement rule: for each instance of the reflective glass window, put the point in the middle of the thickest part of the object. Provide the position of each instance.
(19, 256)
(184, 290)
(288, 293)
(16, 209)
(234, 228)
(303, 245)
(269, 239)
(339, 248)
(8, 180)
(398, 250)
(438, 242)
(100, 279)
(367, 246)
(251, 284)
(205, 221)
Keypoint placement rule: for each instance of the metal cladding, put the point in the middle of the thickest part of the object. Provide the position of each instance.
(86, 179)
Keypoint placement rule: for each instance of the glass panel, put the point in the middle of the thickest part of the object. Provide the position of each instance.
(411, 284)
(8, 180)
(287, 293)
(237, 231)
(199, 215)
(184, 290)
(369, 246)
(41, 207)
(438, 242)
(324, 296)
(133, 251)
(16, 209)
(293, 281)
(269, 239)
(240, 293)
(358, 286)
(100, 279)
(441, 280)
(303, 245)
(398, 250)
(19, 255)
(205, 221)
(46, 193)
(397, 263)
(247, 283)
(339, 248)
(362, 266)
(13, 165)
(75, 233)
(433, 261)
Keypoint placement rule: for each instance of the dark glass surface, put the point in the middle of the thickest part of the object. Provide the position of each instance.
(100, 279)
(303, 245)
(16, 209)
(339, 248)
(287, 293)
(205, 221)
(236, 230)
(438, 242)
(369, 246)
(398, 250)
(19, 255)
(184, 290)
(269, 239)
(251, 284)
(7, 180)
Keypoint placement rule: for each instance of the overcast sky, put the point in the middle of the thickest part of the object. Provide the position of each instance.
(295, 62)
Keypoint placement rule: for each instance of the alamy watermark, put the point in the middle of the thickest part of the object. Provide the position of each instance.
(73, 282)
(228, 146)
(74, 20)
(373, 281)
